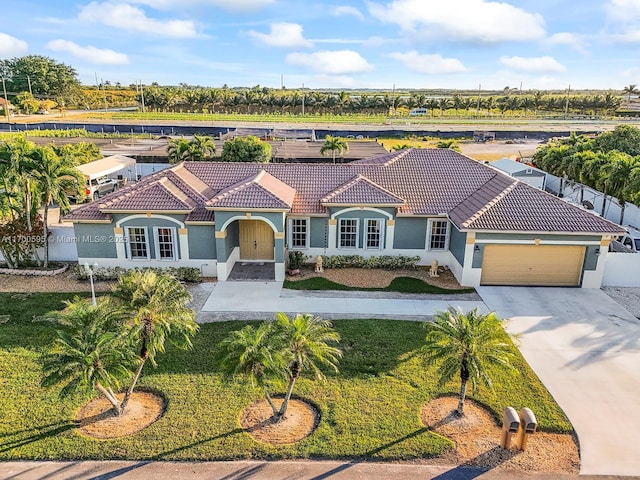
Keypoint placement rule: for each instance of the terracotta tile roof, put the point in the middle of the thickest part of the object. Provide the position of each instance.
(520, 207)
(429, 181)
(361, 191)
(161, 195)
(259, 191)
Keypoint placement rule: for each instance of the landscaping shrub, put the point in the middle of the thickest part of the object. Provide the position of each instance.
(184, 274)
(387, 262)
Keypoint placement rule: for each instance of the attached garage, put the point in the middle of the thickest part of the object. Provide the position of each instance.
(539, 265)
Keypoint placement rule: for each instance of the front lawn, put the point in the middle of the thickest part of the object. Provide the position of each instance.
(369, 410)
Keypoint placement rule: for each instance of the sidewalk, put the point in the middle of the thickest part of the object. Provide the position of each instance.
(262, 470)
(260, 300)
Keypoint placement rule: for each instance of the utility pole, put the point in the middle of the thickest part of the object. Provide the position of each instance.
(393, 100)
(6, 101)
(142, 95)
(478, 106)
(566, 105)
(29, 82)
(303, 99)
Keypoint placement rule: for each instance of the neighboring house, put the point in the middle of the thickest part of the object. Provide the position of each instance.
(528, 174)
(487, 227)
(4, 103)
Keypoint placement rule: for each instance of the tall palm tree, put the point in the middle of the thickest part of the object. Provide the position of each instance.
(157, 311)
(54, 176)
(91, 351)
(306, 346)
(251, 352)
(16, 158)
(333, 145)
(465, 344)
(630, 90)
(617, 174)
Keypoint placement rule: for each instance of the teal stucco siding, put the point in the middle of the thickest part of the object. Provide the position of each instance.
(95, 240)
(202, 242)
(457, 243)
(411, 233)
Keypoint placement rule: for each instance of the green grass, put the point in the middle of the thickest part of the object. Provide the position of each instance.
(369, 410)
(398, 284)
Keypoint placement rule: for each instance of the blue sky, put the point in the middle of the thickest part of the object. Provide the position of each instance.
(545, 44)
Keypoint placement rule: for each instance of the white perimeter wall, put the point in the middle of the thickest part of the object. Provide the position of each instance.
(621, 270)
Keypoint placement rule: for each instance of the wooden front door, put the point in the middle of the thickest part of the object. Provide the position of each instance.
(256, 240)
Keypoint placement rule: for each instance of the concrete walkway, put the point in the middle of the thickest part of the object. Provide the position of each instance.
(261, 470)
(586, 350)
(262, 299)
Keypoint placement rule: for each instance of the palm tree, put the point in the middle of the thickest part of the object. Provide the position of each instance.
(465, 344)
(91, 351)
(177, 150)
(200, 148)
(617, 174)
(54, 177)
(306, 345)
(334, 144)
(250, 352)
(157, 311)
(628, 91)
(16, 158)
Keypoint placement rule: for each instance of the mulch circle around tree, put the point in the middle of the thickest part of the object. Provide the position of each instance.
(96, 418)
(476, 436)
(299, 422)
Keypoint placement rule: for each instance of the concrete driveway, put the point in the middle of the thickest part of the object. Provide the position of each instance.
(586, 350)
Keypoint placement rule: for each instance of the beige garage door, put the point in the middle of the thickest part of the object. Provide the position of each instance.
(543, 265)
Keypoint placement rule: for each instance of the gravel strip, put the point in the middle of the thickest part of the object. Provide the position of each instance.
(628, 297)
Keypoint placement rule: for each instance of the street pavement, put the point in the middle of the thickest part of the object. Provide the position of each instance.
(586, 350)
(262, 470)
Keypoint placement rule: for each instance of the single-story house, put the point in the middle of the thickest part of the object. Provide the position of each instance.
(528, 174)
(487, 227)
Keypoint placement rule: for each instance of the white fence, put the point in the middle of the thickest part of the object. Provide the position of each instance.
(577, 192)
(621, 270)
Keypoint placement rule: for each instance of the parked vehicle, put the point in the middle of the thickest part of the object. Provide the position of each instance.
(419, 111)
(96, 188)
(632, 238)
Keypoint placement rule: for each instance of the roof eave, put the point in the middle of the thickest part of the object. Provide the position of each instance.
(151, 211)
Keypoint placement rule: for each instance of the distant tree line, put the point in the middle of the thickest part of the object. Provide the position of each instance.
(36, 82)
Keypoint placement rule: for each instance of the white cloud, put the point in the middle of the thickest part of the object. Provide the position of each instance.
(133, 19)
(623, 11)
(11, 46)
(431, 64)
(462, 20)
(568, 39)
(533, 64)
(231, 6)
(90, 53)
(345, 10)
(623, 20)
(283, 34)
(340, 62)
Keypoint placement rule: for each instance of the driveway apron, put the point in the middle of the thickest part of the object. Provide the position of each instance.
(586, 350)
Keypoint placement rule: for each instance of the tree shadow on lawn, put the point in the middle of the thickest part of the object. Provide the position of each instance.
(369, 346)
(230, 433)
(20, 438)
(16, 438)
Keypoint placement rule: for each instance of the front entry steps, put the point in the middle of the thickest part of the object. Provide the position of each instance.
(252, 271)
